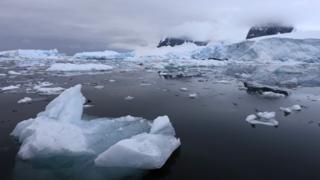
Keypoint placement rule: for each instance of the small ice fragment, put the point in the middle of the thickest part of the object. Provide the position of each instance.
(266, 115)
(272, 95)
(24, 100)
(12, 87)
(128, 98)
(99, 87)
(251, 117)
(112, 80)
(87, 106)
(1, 74)
(286, 110)
(184, 89)
(145, 84)
(193, 95)
(296, 107)
(263, 118)
(14, 73)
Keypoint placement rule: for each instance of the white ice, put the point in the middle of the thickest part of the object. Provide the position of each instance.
(79, 67)
(43, 88)
(32, 54)
(102, 55)
(144, 151)
(11, 87)
(272, 95)
(263, 118)
(288, 110)
(25, 100)
(61, 131)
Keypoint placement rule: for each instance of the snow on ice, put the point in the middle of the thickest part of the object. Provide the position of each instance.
(60, 131)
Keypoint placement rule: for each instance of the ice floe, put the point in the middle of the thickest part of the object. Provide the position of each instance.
(11, 87)
(288, 110)
(129, 98)
(14, 73)
(263, 118)
(79, 67)
(25, 100)
(43, 88)
(193, 95)
(61, 131)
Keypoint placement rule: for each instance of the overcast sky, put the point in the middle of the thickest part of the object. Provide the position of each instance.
(79, 25)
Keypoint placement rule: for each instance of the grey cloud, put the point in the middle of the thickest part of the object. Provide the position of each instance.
(76, 25)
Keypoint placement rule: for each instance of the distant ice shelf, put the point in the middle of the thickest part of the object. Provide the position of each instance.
(79, 67)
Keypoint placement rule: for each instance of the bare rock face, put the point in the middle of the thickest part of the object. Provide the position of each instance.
(269, 29)
(179, 41)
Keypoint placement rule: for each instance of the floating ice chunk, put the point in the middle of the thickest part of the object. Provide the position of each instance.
(143, 151)
(288, 110)
(128, 98)
(79, 67)
(112, 80)
(48, 90)
(184, 89)
(296, 107)
(60, 131)
(24, 100)
(193, 95)
(145, 84)
(12, 87)
(14, 73)
(266, 115)
(272, 95)
(99, 87)
(263, 118)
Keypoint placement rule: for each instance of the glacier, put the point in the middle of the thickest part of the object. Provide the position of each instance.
(61, 131)
(32, 54)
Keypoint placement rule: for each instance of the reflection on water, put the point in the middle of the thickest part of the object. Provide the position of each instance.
(217, 143)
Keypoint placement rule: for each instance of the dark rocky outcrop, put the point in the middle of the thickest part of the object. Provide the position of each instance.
(269, 29)
(259, 89)
(179, 41)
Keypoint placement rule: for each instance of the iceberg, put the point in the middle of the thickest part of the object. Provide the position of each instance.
(32, 54)
(102, 55)
(79, 67)
(61, 131)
